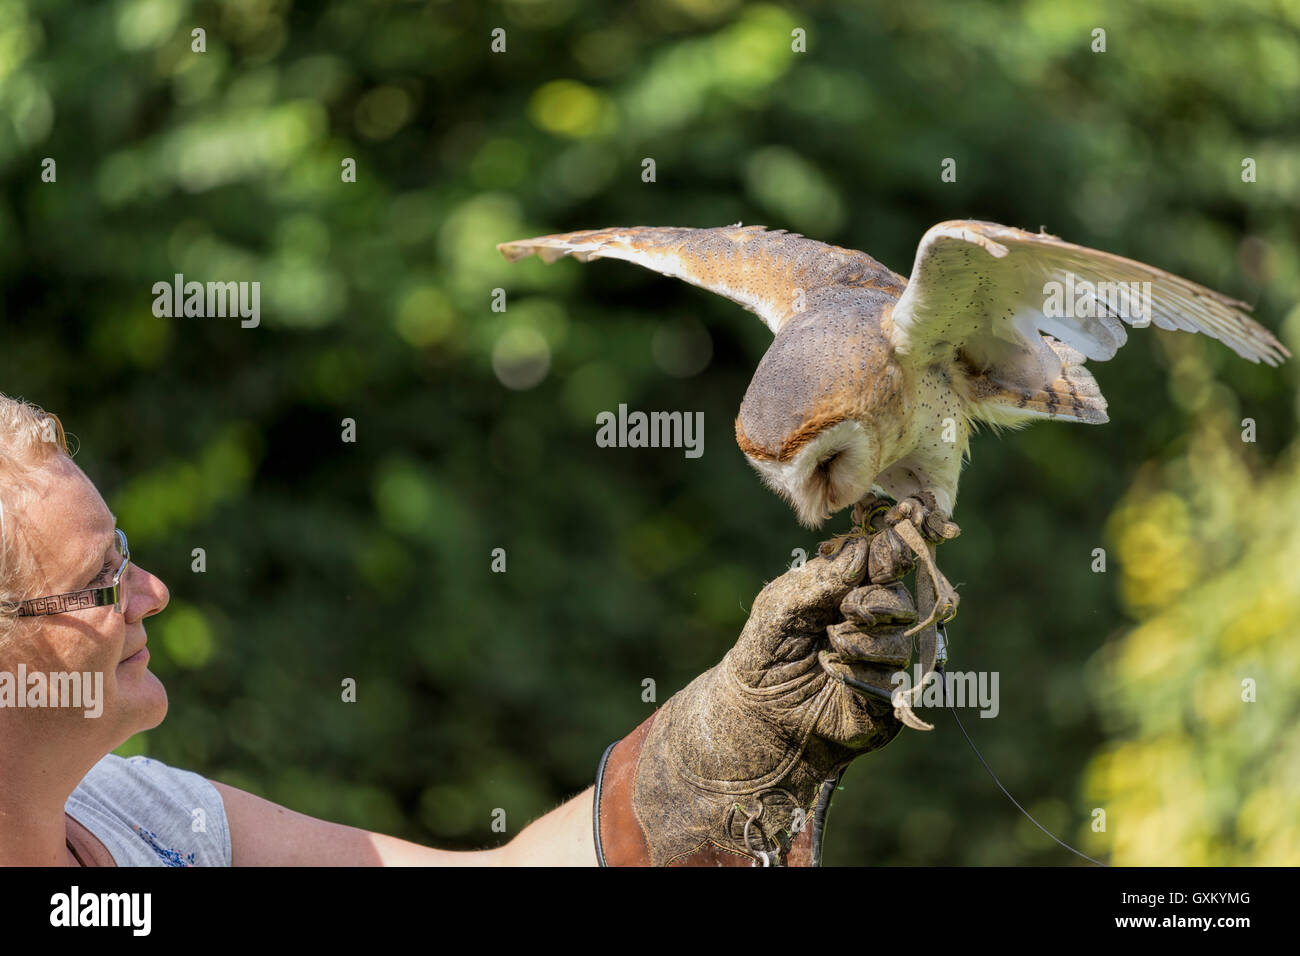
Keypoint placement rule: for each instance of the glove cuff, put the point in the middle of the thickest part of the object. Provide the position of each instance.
(622, 840)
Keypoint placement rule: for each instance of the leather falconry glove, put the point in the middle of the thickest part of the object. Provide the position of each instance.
(738, 768)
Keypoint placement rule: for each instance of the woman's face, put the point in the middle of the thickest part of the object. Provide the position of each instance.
(73, 540)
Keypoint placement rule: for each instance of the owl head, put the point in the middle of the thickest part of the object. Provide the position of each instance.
(804, 422)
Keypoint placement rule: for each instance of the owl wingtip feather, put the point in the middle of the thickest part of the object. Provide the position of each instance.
(514, 250)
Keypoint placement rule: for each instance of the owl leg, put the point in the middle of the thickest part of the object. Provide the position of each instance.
(923, 511)
(890, 556)
(906, 522)
(867, 518)
(909, 519)
(865, 511)
(945, 595)
(937, 596)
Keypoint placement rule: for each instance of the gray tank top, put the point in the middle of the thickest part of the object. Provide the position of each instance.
(149, 814)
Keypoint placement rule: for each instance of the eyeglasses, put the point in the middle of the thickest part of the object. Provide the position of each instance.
(114, 594)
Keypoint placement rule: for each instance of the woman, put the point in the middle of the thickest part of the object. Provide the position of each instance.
(65, 799)
(73, 606)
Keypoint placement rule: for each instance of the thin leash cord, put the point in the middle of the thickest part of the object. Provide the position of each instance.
(953, 711)
(885, 695)
(878, 692)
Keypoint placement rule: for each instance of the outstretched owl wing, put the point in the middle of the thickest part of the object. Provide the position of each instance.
(772, 273)
(983, 291)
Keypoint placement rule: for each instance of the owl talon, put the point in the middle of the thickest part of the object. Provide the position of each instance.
(866, 512)
(918, 523)
(832, 545)
(945, 604)
(904, 713)
(922, 510)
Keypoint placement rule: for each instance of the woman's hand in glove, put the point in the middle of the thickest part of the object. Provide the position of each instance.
(738, 767)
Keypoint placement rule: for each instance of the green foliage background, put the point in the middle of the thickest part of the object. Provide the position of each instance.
(327, 560)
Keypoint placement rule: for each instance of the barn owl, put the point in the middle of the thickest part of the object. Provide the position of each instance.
(873, 383)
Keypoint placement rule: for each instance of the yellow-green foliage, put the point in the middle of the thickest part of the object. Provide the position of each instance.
(1204, 692)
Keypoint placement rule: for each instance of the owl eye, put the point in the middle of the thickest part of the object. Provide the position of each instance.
(824, 465)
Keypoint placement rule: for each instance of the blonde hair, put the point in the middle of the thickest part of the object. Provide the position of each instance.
(29, 437)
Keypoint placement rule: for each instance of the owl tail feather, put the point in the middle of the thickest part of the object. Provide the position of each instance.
(1074, 395)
